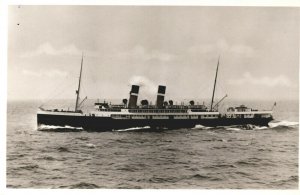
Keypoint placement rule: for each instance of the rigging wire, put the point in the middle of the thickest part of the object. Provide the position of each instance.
(56, 94)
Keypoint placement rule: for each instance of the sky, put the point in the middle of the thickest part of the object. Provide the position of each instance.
(179, 46)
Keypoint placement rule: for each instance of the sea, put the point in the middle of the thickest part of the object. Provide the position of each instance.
(198, 158)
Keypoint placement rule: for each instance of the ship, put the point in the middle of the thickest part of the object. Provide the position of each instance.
(163, 115)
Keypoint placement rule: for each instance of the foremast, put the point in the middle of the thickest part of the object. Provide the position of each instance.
(78, 90)
(212, 99)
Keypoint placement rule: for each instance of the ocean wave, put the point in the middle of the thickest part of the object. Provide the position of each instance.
(164, 179)
(82, 138)
(201, 127)
(219, 147)
(220, 166)
(214, 140)
(28, 167)
(260, 127)
(231, 127)
(63, 149)
(13, 186)
(48, 158)
(133, 129)
(249, 162)
(273, 125)
(242, 173)
(15, 156)
(58, 128)
(81, 185)
(198, 176)
(293, 178)
(244, 127)
(90, 145)
(282, 124)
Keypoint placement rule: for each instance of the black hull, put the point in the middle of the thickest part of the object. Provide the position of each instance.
(91, 123)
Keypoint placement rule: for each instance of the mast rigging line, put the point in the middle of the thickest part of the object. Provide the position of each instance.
(217, 104)
(61, 91)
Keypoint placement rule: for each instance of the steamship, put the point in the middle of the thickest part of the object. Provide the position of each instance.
(162, 115)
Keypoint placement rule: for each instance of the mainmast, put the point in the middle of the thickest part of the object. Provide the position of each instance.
(212, 99)
(78, 90)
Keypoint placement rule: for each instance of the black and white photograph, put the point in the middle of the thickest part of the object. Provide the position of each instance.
(152, 97)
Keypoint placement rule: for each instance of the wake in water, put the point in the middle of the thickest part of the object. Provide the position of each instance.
(282, 124)
(133, 129)
(229, 128)
(201, 127)
(58, 128)
(272, 125)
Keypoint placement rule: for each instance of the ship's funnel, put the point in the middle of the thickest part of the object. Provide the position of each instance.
(160, 96)
(133, 96)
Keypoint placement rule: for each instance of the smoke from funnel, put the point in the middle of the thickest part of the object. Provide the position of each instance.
(146, 85)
